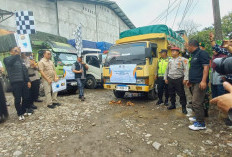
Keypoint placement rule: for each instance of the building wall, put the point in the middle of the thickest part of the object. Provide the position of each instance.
(99, 23)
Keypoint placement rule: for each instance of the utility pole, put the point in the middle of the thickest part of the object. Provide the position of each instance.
(217, 20)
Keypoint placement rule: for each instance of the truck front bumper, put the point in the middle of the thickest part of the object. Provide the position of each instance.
(131, 88)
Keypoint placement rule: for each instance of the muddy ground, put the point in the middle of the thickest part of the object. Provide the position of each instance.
(96, 128)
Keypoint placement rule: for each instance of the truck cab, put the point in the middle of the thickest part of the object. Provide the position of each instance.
(94, 59)
(63, 57)
(132, 63)
(130, 67)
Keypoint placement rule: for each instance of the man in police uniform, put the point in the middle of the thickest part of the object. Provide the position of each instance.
(162, 87)
(176, 76)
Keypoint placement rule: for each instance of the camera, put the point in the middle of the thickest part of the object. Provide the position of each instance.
(223, 65)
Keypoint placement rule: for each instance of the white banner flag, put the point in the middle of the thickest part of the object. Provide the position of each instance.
(78, 40)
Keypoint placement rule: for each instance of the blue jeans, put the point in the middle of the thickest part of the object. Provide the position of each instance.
(81, 85)
(217, 90)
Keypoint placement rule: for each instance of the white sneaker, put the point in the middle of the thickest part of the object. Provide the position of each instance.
(192, 119)
(21, 118)
(197, 126)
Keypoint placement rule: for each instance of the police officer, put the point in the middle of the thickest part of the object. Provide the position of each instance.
(176, 76)
(162, 86)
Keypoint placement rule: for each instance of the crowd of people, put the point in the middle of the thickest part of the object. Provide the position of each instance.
(23, 73)
(193, 71)
(173, 74)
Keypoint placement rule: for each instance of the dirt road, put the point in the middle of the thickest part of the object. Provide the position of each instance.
(97, 128)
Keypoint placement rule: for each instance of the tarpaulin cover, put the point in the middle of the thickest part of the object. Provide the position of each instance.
(152, 29)
(7, 42)
(103, 46)
(85, 43)
(42, 36)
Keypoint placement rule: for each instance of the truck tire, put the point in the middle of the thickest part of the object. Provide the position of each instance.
(119, 94)
(152, 95)
(90, 83)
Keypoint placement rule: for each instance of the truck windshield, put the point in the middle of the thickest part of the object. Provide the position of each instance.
(65, 58)
(126, 54)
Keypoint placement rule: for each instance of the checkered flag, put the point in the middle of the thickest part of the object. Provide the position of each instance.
(78, 40)
(25, 22)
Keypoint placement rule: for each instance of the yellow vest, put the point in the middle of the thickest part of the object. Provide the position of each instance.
(162, 65)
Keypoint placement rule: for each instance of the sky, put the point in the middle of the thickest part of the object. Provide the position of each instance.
(144, 12)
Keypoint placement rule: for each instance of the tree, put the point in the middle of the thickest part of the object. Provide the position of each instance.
(203, 36)
(190, 27)
(227, 24)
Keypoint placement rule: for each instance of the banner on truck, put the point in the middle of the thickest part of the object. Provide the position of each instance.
(59, 85)
(68, 73)
(23, 41)
(124, 73)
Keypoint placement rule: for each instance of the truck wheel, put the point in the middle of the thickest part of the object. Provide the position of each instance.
(152, 94)
(90, 82)
(119, 94)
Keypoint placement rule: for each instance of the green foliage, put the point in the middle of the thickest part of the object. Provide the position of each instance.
(203, 35)
(227, 24)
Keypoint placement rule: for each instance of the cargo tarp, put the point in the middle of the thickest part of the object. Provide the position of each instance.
(103, 46)
(41, 36)
(85, 44)
(7, 42)
(152, 29)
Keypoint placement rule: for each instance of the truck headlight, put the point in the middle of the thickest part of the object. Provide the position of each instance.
(140, 81)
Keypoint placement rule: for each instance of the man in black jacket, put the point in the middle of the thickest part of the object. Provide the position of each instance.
(79, 68)
(20, 82)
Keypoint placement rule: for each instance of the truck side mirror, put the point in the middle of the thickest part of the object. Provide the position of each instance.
(148, 53)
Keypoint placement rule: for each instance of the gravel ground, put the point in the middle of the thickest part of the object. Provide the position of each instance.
(96, 128)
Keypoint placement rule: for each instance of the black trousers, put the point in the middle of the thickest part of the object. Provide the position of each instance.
(21, 96)
(175, 86)
(3, 108)
(34, 91)
(162, 88)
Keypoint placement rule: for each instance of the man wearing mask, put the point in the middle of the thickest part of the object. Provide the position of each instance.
(48, 73)
(198, 79)
(80, 68)
(176, 76)
(20, 82)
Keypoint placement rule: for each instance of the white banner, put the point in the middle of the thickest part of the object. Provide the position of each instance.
(123, 73)
(23, 41)
(59, 85)
(78, 40)
(68, 73)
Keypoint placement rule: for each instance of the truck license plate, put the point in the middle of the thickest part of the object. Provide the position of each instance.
(122, 88)
(73, 83)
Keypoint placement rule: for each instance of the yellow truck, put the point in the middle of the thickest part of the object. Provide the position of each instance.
(131, 64)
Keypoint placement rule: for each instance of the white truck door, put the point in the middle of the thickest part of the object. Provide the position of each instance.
(94, 71)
